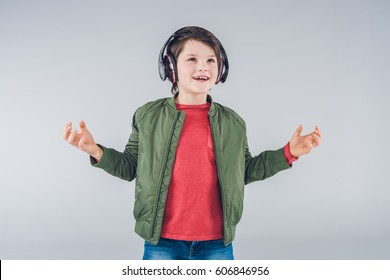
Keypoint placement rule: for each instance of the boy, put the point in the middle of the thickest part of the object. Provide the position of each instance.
(190, 156)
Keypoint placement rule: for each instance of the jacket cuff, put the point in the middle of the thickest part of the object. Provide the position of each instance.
(107, 160)
(278, 160)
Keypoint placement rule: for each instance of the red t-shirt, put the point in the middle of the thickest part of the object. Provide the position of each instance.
(193, 209)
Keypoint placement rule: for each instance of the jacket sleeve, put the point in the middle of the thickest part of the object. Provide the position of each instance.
(264, 165)
(122, 165)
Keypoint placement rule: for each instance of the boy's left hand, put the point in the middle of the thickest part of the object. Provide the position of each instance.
(302, 144)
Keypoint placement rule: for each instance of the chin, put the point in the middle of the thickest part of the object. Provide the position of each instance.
(204, 90)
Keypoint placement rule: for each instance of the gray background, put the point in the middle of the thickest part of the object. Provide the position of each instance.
(292, 62)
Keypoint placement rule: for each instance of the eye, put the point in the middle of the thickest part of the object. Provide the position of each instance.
(211, 60)
(192, 59)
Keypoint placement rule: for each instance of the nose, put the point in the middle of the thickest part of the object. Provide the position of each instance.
(202, 66)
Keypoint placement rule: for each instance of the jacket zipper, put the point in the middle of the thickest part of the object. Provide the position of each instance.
(219, 177)
(155, 206)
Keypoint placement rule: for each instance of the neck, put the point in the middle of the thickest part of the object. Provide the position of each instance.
(193, 99)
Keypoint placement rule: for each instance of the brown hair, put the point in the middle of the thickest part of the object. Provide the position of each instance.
(200, 34)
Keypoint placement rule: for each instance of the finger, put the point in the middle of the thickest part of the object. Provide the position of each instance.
(308, 144)
(73, 138)
(298, 130)
(82, 126)
(81, 142)
(66, 133)
(67, 130)
(313, 139)
(316, 140)
(318, 131)
(318, 134)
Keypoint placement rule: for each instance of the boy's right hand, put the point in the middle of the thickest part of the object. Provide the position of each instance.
(82, 140)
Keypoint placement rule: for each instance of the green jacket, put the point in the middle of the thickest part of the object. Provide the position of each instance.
(150, 153)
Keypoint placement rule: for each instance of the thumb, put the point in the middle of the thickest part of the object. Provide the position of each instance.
(298, 131)
(83, 127)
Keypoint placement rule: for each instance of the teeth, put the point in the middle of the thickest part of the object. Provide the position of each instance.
(201, 78)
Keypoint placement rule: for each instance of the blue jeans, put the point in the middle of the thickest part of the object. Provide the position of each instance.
(169, 249)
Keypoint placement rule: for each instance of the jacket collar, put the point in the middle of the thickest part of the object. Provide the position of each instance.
(171, 104)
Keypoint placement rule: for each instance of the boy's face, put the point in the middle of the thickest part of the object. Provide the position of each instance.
(197, 68)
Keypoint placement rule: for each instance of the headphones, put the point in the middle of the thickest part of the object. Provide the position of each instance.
(167, 63)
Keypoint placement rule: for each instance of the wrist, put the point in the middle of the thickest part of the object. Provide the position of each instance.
(98, 153)
(290, 158)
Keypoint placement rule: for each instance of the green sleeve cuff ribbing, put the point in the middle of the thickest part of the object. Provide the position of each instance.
(107, 162)
(278, 160)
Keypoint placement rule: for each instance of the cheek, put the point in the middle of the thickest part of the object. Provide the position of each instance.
(214, 69)
(185, 74)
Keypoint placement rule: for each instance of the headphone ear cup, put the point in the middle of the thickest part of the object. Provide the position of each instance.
(165, 63)
(221, 69)
(170, 68)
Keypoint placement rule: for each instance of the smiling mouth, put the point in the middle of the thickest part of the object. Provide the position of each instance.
(201, 78)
